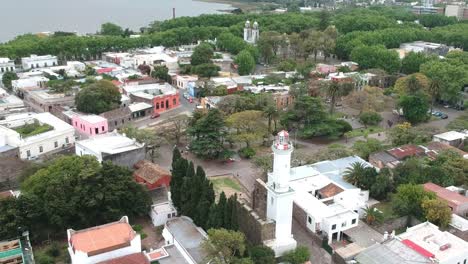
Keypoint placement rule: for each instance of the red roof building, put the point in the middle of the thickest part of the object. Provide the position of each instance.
(152, 175)
(136, 258)
(457, 202)
(406, 151)
(102, 243)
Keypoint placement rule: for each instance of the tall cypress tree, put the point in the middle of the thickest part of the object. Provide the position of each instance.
(202, 214)
(179, 170)
(212, 217)
(175, 155)
(234, 217)
(220, 208)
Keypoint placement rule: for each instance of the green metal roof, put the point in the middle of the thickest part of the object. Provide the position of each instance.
(11, 253)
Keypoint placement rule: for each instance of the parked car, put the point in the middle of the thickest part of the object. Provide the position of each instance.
(443, 116)
(155, 115)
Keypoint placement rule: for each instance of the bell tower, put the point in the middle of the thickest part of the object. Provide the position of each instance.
(280, 195)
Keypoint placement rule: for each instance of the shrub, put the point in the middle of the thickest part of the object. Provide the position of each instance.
(247, 152)
(370, 118)
(53, 250)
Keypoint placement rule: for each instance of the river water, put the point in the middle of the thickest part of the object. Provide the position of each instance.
(85, 16)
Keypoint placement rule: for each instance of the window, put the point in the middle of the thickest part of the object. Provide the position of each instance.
(41, 149)
(309, 220)
(168, 215)
(115, 123)
(55, 144)
(66, 140)
(157, 105)
(271, 201)
(333, 227)
(174, 102)
(173, 214)
(96, 130)
(353, 221)
(123, 121)
(102, 128)
(343, 224)
(76, 123)
(28, 153)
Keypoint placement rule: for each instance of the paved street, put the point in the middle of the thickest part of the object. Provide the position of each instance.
(318, 254)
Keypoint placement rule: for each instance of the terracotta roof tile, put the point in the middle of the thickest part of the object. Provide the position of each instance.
(100, 239)
(149, 171)
(330, 190)
(406, 151)
(446, 195)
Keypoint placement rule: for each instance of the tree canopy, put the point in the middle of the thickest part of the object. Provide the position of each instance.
(98, 97)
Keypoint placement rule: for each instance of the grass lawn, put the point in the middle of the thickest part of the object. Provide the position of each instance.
(223, 182)
(35, 128)
(364, 131)
(387, 210)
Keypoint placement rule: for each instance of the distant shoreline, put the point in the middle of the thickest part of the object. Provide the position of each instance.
(234, 4)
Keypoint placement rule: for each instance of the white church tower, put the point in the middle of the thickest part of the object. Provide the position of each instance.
(280, 196)
(251, 32)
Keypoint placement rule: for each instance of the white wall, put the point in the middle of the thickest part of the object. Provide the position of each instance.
(38, 62)
(170, 240)
(48, 144)
(81, 150)
(161, 218)
(82, 257)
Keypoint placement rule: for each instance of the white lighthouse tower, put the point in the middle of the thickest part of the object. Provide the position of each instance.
(280, 196)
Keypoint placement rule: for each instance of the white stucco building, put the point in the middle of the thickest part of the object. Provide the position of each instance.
(104, 242)
(182, 81)
(35, 61)
(331, 204)
(280, 196)
(187, 238)
(6, 65)
(60, 136)
(9, 103)
(33, 82)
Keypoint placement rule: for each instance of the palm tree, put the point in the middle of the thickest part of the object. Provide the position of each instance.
(272, 114)
(333, 90)
(353, 174)
(372, 215)
(434, 89)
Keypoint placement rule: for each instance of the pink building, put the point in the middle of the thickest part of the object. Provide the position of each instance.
(325, 68)
(90, 125)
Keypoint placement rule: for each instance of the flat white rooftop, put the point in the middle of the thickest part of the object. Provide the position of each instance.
(93, 118)
(442, 245)
(451, 135)
(139, 106)
(111, 143)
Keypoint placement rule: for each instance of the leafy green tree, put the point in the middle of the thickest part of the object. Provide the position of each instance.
(230, 43)
(412, 84)
(298, 256)
(367, 147)
(451, 77)
(262, 255)
(415, 108)
(206, 70)
(382, 186)
(247, 126)
(7, 78)
(208, 135)
(360, 175)
(370, 118)
(245, 62)
(376, 57)
(408, 200)
(436, 20)
(111, 29)
(202, 54)
(79, 192)
(161, 72)
(149, 137)
(412, 61)
(223, 246)
(437, 211)
(325, 18)
(98, 97)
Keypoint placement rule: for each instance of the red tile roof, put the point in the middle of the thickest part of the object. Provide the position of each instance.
(149, 171)
(438, 147)
(452, 198)
(330, 190)
(406, 151)
(104, 238)
(136, 258)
